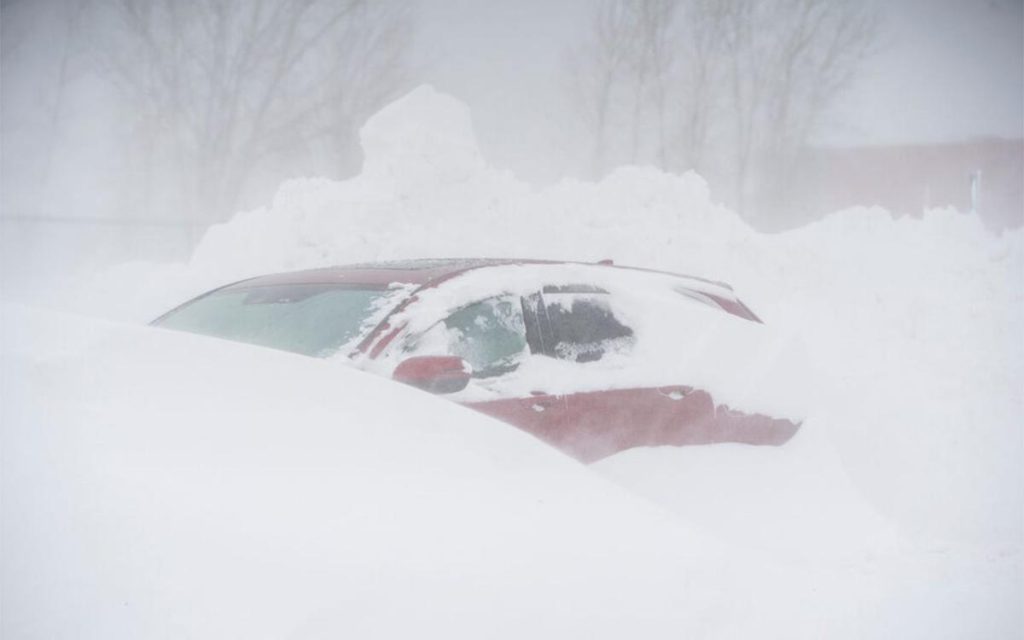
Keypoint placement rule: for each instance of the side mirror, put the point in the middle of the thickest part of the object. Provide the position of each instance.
(436, 374)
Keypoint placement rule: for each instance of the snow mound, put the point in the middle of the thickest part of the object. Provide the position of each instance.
(420, 140)
(224, 490)
(913, 324)
(425, 191)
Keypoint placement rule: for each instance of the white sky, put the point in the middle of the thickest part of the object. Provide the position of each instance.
(948, 70)
(509, 66)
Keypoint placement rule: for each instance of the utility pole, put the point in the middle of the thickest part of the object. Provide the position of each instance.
(975, 189)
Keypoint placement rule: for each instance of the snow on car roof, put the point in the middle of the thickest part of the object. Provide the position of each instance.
(419, 264)
(418, 271)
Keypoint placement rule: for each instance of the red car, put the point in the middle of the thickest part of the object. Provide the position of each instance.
(591, 358)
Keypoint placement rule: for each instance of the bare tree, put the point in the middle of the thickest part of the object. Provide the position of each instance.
(747, 78)
(222, 88)
(71, 24)
(621, 77)
(596, 73)
(743, 83)
(45, 72)
(650, 25)
(373, 46)
(701, 42)
(788, 61)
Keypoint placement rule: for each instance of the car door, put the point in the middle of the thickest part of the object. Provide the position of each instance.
(497, 336)
(605, 413)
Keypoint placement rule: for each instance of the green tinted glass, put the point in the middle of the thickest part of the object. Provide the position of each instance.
(489, 335)
(311, 319)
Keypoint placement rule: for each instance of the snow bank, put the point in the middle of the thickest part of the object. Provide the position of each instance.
(158, 482)
(913, 325)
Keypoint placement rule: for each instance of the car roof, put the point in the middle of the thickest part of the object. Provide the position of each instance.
(418, 272)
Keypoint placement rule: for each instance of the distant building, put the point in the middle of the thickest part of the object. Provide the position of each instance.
(910, 178)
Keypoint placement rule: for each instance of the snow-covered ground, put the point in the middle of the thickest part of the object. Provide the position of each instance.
(897, 511)
(158, 483)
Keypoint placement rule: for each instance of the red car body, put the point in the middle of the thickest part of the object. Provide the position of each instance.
(588, 424)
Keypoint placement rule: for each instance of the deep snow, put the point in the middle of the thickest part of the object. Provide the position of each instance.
(905, 485)
(162, 483)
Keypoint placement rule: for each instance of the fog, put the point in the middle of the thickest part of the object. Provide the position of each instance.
(843, 183)
(944, 71)
(100, 148)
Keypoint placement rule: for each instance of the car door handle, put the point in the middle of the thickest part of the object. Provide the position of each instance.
(676, 392)
(541, 401)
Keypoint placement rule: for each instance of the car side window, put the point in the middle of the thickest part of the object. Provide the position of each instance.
(490, 335)
(583, 326)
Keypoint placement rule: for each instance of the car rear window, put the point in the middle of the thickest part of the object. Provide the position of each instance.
(583, 325)
(311, 319)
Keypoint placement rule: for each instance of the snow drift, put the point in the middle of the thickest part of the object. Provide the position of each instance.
(912, 324)
(159, 483)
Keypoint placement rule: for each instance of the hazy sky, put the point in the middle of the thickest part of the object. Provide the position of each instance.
(947, 70)
(509, 65)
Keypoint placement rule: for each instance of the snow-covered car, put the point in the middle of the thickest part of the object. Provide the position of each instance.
(592, 358)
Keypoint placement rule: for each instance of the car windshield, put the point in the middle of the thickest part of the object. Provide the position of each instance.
(311, 319)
